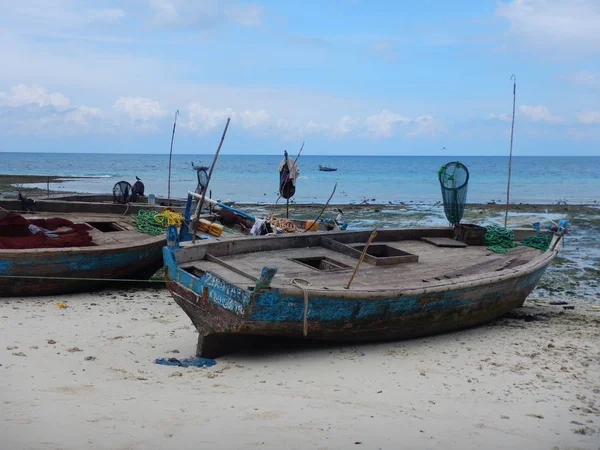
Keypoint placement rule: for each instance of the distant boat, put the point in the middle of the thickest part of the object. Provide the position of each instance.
(324, 168)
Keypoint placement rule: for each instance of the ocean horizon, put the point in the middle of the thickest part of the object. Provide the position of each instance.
(380, 179)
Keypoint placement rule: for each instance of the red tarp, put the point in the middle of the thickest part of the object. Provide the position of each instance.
(16, 234)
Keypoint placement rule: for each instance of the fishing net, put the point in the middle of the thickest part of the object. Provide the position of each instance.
(202, 175)
(454, 178)
(17, 232)
(122, 192)
(288, 172)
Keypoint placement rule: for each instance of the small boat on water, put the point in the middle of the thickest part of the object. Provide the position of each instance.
(412, 282)
(324, 168)
(45, 254)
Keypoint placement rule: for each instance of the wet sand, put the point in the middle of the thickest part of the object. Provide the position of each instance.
(84, 377)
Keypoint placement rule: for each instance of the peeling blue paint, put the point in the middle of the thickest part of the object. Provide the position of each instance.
(270, 306)
(61, 263)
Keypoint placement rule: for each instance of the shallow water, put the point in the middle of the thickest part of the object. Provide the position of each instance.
(254, 178)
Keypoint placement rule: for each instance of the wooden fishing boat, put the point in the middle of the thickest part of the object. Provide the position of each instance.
(324, 168)
(89, 204)
(114, 250)
(412, 282)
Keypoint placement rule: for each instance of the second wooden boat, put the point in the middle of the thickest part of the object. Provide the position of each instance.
(108, 248)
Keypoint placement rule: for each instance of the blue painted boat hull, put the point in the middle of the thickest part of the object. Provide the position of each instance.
(59, 271)
(228, 317)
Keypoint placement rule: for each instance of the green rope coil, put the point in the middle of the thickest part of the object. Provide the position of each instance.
(541, 241)
(145, 222)
(499, 239)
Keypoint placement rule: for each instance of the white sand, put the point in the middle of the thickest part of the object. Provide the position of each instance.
(512, 384)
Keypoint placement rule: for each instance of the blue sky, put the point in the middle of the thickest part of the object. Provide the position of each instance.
(346, 76)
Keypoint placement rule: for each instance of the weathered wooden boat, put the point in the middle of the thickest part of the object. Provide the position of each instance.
(89, 204)
(324, 168)
(243, 222)
(114, 250)
(412, 282)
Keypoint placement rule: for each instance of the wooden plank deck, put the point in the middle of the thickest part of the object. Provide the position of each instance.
(434, 264)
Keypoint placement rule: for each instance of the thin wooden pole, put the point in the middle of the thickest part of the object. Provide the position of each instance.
(170, 156)
(298, 156)
(512, 129)
(362, 256)
(199, 209)
(324, 207)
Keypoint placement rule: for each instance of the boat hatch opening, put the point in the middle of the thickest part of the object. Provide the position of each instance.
(106, 227)
(382, 254)
(321, 263)
(196, 271)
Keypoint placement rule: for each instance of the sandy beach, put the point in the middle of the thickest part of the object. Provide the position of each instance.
(84, 376)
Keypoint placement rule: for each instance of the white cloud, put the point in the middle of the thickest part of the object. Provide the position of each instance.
(139, 108)
(583, 78)
(108, 15)
(384, 48)
(344, 126)
(202, 119)
(51, 113)
(538, 113)
(254, 119)
(205, 13)
(502, 117)
(384, 123)
(248, 15)
(33, 110)
(426, 125)
(589, 117)
(23, 95)
(587, 134)
(554, 23)
(81, 115)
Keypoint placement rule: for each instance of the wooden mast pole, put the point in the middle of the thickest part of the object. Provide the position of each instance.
(512, 129)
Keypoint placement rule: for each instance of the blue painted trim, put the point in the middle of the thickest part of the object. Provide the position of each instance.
(270, 306)
(59, 263)
(237, 211)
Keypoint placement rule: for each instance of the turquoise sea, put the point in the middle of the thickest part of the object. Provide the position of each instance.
(254, 178)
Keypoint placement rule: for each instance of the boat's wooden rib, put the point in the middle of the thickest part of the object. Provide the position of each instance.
(435, 289)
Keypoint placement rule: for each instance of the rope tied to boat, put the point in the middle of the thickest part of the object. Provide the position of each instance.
(303, 284)
(286, 225)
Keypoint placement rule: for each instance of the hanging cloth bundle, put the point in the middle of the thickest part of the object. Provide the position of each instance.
(288, 172)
